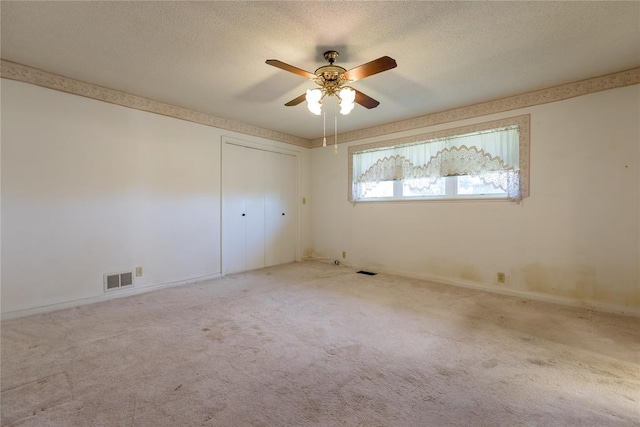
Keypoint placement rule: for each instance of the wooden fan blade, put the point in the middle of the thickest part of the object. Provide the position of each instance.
(290, 68)
(365, 100)
(296, 101)
(370, 68)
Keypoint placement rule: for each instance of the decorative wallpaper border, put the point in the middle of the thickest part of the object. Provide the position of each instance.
(23, 73)
(524, 127)
(529, 99)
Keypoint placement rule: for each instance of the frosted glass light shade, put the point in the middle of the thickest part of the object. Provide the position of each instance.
(313, 101)
(347, 98)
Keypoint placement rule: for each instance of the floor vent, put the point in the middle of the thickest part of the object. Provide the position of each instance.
(115, 281)
(368, 273)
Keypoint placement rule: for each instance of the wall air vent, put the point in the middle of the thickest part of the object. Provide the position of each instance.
(115, 281)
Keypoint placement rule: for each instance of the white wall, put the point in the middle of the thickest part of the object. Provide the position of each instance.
(90, 188)
(575, 240)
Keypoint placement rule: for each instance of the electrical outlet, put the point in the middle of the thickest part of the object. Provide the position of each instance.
(500, 277)
(344, 254)
(138, 271)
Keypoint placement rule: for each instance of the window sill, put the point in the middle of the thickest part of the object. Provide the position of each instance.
(436, 199)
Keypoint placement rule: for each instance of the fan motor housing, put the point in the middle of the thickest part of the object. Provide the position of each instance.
(330, 73)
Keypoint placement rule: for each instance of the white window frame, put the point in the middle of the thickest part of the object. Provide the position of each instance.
(523, 124)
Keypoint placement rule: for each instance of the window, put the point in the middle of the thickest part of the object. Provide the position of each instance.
(489, 160)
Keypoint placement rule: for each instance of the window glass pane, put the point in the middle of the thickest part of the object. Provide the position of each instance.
(475, 186)
(421, 187)
(369, 190)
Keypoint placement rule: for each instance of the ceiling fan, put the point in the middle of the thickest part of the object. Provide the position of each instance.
(333, 81)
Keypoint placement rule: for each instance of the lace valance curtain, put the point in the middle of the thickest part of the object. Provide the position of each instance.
(492, 156)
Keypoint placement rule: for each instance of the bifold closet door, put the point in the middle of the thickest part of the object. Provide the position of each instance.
(259, 212)
(280, 208)
(243, 209)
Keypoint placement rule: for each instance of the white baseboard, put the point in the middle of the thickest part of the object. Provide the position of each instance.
(104, 297)
(589, 305)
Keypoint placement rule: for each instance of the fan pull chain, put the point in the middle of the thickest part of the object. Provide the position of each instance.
(324, 129)
(335, 138)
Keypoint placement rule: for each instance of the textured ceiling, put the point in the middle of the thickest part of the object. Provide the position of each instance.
(209, 56)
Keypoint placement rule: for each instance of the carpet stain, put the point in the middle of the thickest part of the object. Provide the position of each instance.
(347, 350)
(491, 363)
(603, 372)
(446, 372)
(215, 335)
(540, 362)
(415, 378)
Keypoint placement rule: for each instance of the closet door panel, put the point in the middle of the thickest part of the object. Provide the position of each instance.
(234, 210)
(280, 209)
(255, 219)
(273, 209)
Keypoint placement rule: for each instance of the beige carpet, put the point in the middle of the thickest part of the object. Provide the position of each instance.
(314, 344)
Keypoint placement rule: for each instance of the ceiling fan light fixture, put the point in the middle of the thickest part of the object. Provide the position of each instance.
(332, 78)
(314, 98)
(347, 100)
